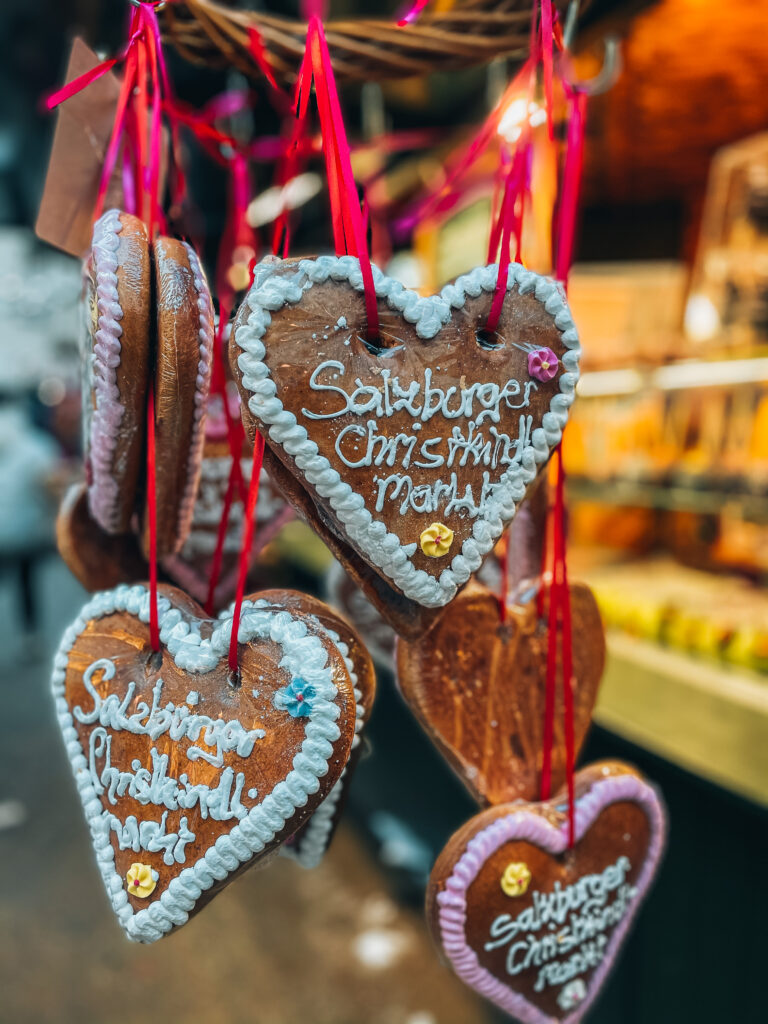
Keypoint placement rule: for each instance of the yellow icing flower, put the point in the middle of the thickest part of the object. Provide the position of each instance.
(436, 540)
(516, 878)
(140, 880)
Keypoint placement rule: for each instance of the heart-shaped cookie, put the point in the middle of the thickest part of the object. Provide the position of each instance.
(478, 686)
(116, 348)
(532, 925)
(416, 454)
(307, 847)
(186, 774)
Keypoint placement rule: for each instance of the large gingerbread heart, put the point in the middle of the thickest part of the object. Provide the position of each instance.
(414, 454)
(186, 774)
(478, 686)
(532, 925)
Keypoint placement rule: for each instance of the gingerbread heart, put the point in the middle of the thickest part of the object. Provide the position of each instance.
(186, 775)
(307, 847)
(478, 686)
(116, 348)
(416, 454)
(532, 925)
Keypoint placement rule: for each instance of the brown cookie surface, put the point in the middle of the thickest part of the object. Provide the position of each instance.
(99, 560)
(183, 362)
(187, 776)
(478, 687)
(116, 353)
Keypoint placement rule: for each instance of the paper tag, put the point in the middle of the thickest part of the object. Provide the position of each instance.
(65, 218)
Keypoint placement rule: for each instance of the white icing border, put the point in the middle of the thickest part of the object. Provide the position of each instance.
(316, 834)
(304, 655)
(271, 290)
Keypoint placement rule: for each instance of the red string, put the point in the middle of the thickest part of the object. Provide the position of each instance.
(218, 554)
(246, 545)
(547, 62)
(572, 170)
(412, 14)
(345, 203)
(154, 632)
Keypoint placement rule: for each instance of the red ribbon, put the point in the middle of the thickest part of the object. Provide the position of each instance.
(246, 545)
(347, 218)
(559, 628)
(154, 632)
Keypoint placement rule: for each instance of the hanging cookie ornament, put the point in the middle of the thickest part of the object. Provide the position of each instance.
(117, 325)
(534, 922)
(189, 773)
(397, 425)
(479, 683)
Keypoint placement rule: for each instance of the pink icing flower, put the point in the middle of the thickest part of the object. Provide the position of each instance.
(542, 364)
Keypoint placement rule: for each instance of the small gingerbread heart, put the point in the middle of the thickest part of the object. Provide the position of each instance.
(414, 454)
(116, 361)
(307, 847)
(97, 559)
(187, 774)
(478, 686)
(533, 925)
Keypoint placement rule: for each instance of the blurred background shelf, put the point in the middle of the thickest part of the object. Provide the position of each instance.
(705, 718)
(636, 494)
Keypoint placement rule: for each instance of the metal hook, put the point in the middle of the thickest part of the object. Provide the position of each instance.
(609, 73)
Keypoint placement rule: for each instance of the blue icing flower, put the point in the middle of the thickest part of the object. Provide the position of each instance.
(296, 698)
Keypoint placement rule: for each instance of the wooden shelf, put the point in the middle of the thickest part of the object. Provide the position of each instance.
(708, 719)
(635, 494)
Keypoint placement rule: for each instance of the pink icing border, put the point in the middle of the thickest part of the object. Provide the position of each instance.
(522, 825)
(202, 387)
(104, 358)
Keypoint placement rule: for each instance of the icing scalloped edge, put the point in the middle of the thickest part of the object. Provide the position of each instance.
(104, 358)
(303, 654)
(533, 828)
(316, 834)
(202, 387)
(271, 291)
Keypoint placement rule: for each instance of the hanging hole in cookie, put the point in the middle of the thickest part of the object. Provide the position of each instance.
(374, 345)
(488, 340)
(234, 680)
(154, 661)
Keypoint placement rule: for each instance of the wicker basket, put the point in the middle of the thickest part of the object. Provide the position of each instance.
(471, 32)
